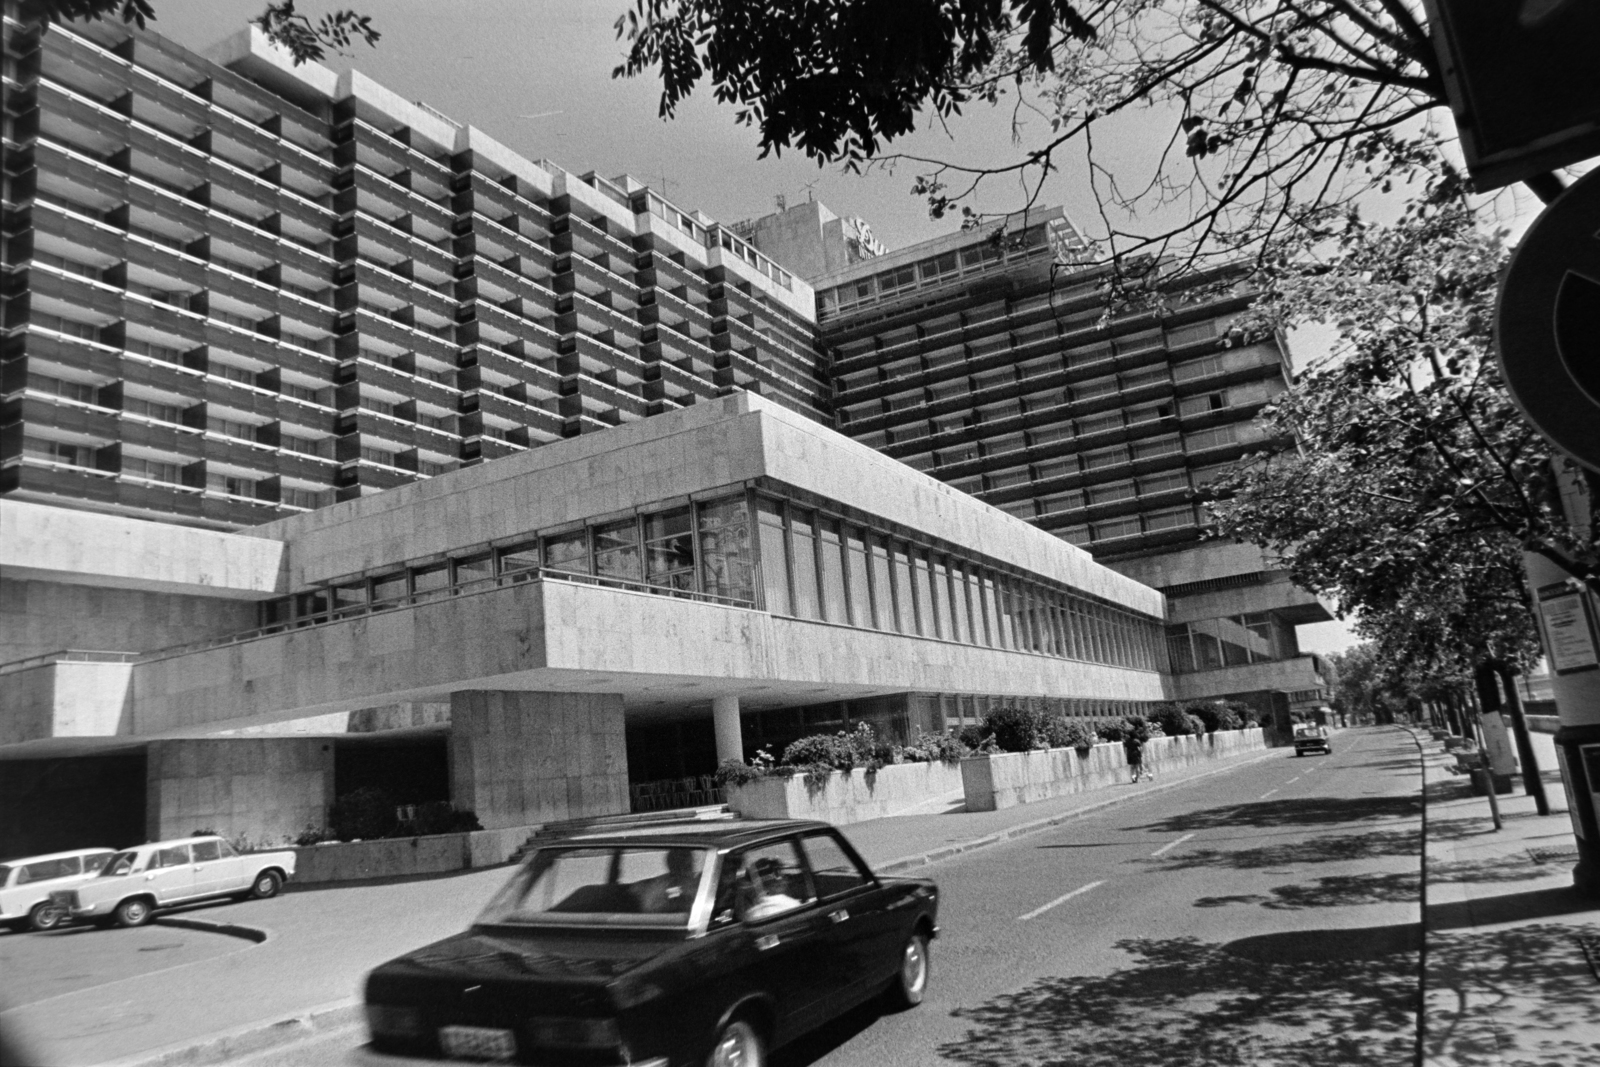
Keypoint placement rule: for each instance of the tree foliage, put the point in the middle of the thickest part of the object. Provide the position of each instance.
(1417, 484)
(306, 41)
(1278, 113)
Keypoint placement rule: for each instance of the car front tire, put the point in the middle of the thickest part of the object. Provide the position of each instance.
(266, 885)
(44, 917)
(910, 983)
(131, 913)
(738, 1044)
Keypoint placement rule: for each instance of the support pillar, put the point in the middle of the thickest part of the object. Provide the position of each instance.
(518, 758)
(730, 736)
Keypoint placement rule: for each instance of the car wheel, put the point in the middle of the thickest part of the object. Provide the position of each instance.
(738, 1044)
(45, 916)
(135, 912)
(910, 983)
(266, 885)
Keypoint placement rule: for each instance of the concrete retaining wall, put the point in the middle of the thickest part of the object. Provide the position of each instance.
(1011, 778)
(847, 797)
(400, 857)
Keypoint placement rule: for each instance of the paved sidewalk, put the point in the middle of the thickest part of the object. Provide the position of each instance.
(1513, 952)
(306, 976)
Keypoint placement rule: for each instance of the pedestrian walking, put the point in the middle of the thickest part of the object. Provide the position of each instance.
(1133, 745)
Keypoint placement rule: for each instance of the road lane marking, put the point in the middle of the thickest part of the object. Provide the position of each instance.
(1062, 899)
(1267, 794)
(1293, 780)
(1171, 845)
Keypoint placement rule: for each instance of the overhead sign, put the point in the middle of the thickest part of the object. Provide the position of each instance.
(1523, 81)
(1547, 322)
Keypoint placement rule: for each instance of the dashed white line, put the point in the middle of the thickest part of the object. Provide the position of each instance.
(1062, 899)
(1267, 794)
(1171, 845)
(1293, 780)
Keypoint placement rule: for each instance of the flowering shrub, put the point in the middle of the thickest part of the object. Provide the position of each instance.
(1176, 722)
(1068, 733)
(933, 748)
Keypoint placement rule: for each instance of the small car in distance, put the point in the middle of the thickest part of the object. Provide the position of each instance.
(1310, 737)
(137, 882)
(665, 946)
(26, 885)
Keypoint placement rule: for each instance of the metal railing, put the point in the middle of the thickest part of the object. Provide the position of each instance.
(68, 655)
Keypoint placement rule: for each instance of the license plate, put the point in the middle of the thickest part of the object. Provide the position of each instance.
(477, 1043)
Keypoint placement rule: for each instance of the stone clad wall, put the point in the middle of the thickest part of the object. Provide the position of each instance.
(1011, 778)
(847, 797)
(266, 788)
(519, 758)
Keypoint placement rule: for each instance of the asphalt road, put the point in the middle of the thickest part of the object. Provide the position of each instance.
(1263, 916)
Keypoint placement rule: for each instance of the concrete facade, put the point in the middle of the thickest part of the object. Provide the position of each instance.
(518, 757)
(267, 789)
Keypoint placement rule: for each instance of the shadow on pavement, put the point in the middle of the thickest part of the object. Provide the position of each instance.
(1312, 997)
(1291, 811)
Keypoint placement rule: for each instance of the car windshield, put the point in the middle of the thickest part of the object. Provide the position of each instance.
(609, 884)
(5, 873)
(121, 863)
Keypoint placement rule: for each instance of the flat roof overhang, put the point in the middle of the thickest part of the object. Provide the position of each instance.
(665, 655)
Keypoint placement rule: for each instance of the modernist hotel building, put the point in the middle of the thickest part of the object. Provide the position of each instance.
(264, 326)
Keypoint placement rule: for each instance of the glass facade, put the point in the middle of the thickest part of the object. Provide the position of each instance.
(802, 562)
(1229, 641)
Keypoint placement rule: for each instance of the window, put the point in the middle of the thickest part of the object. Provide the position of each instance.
(830, 556)
(568, 552)
(176, 856)
(206, 851)
(304, 498)
(389, 588)
(1169, 519)
(833, 870)
(1157, 446)
(882, 590)
(378, 455)
(430, 579)
(1216, 437)
(151, 409)
(231, 428)
(231, 484)
(1203, 404)
(726, 567)
(669, 549)
(82, 392)
(1106, 494)
(473, 568)
(774, 558)
(1163, 483)
(59, 452)
(858, 577)
(46, 870)
(767, 881)
(154, 470)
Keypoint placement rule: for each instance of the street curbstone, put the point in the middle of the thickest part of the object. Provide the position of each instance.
(249, 1039)
(208, 926)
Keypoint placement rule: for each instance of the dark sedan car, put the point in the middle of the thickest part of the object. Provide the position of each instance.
(670, 946)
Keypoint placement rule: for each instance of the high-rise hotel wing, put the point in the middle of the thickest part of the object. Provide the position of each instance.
(236, 289)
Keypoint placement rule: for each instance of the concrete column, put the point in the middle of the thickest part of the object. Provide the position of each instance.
(730, 737)
(266, 788)
(520, 758)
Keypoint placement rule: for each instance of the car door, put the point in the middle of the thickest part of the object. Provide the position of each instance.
(217, 869)
(772, 898)
(865, 936)
(170, 877)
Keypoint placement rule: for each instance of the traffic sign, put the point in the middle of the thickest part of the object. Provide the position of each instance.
(1547, 322)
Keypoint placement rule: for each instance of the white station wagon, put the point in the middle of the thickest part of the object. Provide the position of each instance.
(26, 885)
(162, 874)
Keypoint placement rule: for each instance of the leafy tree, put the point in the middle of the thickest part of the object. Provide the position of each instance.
(1279, 113)
(1417, 484)
(305, 40)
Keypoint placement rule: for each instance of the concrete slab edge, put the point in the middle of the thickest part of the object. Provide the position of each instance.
(250, 1038)
(249, 933)
(922, 859)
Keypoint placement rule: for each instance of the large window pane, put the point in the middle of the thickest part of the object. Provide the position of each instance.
(831, 556)
(519, 558)
(616, 550)
(927, 605)
(991, 619)
(568, 552)
(430, 579)
(774, 557)
(946, 606)
(860, 583)
(882, 593)
(474, 568)
(904, 619)
(669, 549)
(726, 566)
(803, 560)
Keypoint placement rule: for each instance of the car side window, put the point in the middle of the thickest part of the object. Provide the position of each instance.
(833, 870)
(95, 864)
(770, 880)
(227, 850)
(176, 856)
(205, 851)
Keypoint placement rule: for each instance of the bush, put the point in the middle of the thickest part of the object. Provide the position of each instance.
(1015, 729)
(975, 738)
(314, 835)
(1176, 721)
(363, 814)
(934, 748)
(1112, 729)
(438, 817)
(1068, 733)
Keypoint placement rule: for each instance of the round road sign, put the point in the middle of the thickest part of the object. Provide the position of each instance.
(1547, 322)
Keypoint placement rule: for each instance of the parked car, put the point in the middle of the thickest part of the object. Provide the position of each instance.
(26, 885)
(138, 882)
(1309, 737)
(667, 946)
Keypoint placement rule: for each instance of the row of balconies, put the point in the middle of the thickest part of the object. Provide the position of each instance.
(115, 491)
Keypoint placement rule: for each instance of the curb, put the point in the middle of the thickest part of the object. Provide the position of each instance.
(922, 859)
(248, 1039)
(248, 933)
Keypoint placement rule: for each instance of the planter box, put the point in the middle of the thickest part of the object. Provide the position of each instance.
(400, 857)
(847, 797)
(1011, 778)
